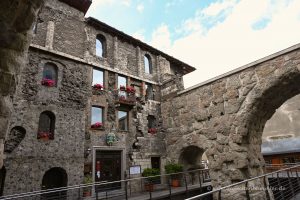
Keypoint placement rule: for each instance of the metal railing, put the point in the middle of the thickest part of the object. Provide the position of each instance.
(282, 184)
(133, 188)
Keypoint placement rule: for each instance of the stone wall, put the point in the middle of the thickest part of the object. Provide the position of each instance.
(16, 19)
(225, 117)
(28, 162)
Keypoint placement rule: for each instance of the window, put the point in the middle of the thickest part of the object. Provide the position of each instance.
(122, 81)
(98, 77)
(50, 74)
(151, 121)
(149, 92)
(101, 46)
(46, 125)
(148, 64)
(123, 120)
(97, 115)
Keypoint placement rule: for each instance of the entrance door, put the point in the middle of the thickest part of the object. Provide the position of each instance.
(108, 168)
(155, 164)
(2, 179)
(55, 178)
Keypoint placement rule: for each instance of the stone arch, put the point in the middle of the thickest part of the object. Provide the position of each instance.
(185, 144)
(191, 157)
(16, 135)
(55, 177)
(263, 101)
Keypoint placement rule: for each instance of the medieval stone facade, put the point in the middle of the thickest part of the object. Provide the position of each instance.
(75, 112)
(56, 108)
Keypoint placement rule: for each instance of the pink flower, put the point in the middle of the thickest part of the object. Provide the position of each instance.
(130, 89)
(152, 130)
(98, 86)
(48, 82)
(97, 125)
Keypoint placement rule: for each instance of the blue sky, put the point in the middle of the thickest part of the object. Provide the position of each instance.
(215, 36)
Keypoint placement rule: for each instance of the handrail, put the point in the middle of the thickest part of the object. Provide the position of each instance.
(61, 189)
(239, 183)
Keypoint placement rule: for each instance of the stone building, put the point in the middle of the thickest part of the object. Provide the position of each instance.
(88, 102)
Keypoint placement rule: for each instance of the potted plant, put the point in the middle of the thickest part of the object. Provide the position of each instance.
(148, 172)
(174, 168)
(87, 191)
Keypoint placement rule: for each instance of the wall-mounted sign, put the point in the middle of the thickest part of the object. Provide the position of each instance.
(136, 169)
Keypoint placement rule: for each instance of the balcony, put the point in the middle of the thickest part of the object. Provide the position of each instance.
(125, 96)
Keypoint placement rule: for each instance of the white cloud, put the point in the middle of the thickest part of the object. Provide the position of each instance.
(233, 42)
(140, 34)
(140, 8)
(217, 7)
(161, 38)
(126, 2)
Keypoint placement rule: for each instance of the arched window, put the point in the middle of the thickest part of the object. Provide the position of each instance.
(148, 64)
(46, 126)
(49, 75)
(15, 137)
(101, 46)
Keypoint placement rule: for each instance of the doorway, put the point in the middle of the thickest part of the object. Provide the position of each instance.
(155, 164)
(108, 168)
(55, 178)
(2, 179)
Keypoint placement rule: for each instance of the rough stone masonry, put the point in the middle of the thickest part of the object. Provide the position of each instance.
(225, 117)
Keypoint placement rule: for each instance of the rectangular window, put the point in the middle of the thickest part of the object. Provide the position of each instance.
(149, 92)
(122, 81)
(123, 120)
(97, 115)
(98, 77)
(151, 121)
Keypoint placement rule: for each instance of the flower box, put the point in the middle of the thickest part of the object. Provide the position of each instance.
(97, 125)
(152, 130)
(130, 90)
(98, 86)
(45, 136)
(48, 82)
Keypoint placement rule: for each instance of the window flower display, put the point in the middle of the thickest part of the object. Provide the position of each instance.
(48, 82)
(97, 125)
(98, 86)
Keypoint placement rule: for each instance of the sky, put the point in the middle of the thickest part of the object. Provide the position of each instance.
(214, 36)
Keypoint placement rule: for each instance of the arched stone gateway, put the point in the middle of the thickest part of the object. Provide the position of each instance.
(55, 178)
(228, 115)
(190, 158)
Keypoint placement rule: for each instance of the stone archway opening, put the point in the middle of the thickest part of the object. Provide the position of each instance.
(191, 158)
(281, 136)
(55, 178)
